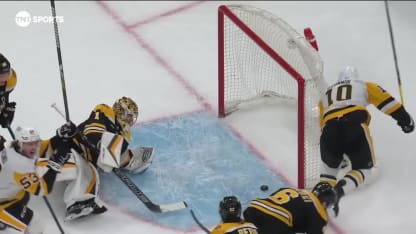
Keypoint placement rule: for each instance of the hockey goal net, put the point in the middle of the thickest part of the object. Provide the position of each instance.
(259, 55)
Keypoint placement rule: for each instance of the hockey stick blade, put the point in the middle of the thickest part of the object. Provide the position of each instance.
(143, 198)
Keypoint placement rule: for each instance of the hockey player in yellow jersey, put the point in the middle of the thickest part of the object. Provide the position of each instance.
(345, 124)
(290, 210)
(8, 81)
(108, 130)
(230, 211)
(103, 140)
(23, 173)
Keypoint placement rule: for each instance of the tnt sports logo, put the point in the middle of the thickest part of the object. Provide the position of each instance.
(23, 19)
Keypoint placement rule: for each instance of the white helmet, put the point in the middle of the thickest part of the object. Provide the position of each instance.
(26, 135)
(348, 73)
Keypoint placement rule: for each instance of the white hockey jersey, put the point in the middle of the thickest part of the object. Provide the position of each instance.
(347, 96)
(19, 174)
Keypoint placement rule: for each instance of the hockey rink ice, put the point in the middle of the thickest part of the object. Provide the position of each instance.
(164, 56)
(195, 152)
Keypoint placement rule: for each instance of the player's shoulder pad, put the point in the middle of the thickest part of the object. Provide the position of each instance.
(11, 83)
(374, 87)
(106, 110)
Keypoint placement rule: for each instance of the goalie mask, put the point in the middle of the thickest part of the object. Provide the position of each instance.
(230, 209)
(126, 111)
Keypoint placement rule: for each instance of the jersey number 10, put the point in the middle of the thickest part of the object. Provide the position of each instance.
(342, 93)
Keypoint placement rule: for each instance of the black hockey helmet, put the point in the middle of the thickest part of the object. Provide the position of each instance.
(325, 193)
(4, 64)
(230, 209)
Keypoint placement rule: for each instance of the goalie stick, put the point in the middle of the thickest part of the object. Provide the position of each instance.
(158, 208)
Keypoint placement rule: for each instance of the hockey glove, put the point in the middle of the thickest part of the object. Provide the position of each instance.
(66, 131)
(2, 140)
(59, 158)
(407, 128)
(7, 115)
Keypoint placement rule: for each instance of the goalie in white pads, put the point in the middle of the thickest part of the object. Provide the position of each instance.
(23, 173)
(345, 124)
(103, 141)
(108, 131)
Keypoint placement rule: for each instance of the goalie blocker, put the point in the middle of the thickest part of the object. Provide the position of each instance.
(133, 160)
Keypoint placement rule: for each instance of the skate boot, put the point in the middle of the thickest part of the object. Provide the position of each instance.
(83, 208)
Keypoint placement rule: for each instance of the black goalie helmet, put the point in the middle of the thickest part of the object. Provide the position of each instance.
(230, 209)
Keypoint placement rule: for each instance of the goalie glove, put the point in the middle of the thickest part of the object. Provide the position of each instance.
(141, 159)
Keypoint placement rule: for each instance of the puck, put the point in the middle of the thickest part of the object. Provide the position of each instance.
(264, 187)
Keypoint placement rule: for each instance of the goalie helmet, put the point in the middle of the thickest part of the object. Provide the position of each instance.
(325, 193)
(126, 111)
(348, 73)
(230, 209)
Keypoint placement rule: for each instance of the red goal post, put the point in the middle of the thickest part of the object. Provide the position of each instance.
(259, 55)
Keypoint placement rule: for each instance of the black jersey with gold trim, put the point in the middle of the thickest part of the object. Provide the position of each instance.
(102, 119)
(6, 88)
(235, 228)
(299, 210)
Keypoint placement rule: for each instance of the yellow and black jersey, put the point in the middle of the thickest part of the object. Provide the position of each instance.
(102, 119)
(235, 228)
(6, 88)
(296, 210)
(347, 96)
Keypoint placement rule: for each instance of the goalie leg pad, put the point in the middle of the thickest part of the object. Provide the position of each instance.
(141, 160)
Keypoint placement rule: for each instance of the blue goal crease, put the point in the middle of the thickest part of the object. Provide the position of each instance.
(198, 160)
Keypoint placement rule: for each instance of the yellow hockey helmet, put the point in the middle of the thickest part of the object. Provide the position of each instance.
(126, 110)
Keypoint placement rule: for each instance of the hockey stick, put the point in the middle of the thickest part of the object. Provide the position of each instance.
(61, 67)
(44, 197)
(130, 184)
(399, 81)
(198, 222)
